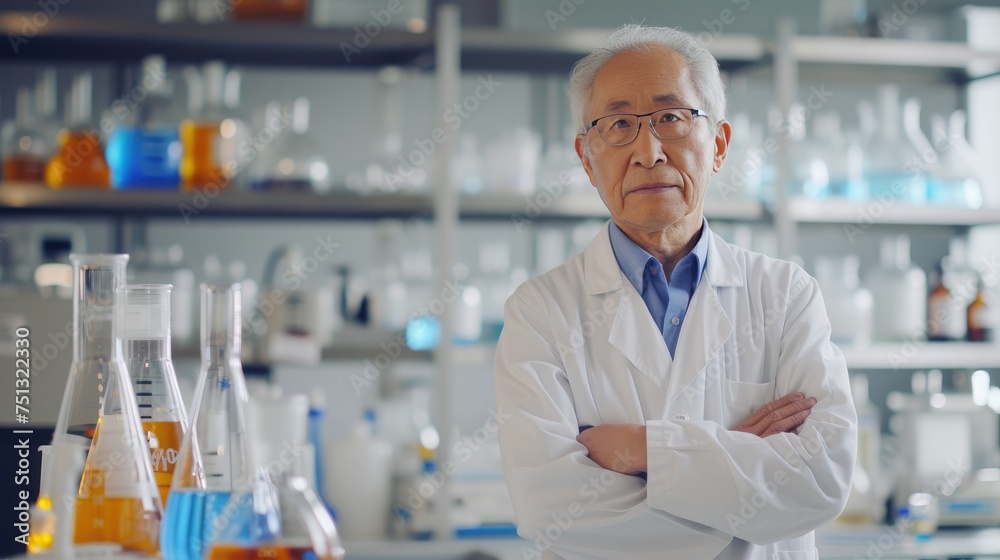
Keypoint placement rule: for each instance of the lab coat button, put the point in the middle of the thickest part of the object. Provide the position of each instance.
(683, 416)
(675, 321)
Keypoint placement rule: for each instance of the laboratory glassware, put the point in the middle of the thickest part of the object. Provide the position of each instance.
(900, 292)
(79, 162)
(145, 319)
(213, 460)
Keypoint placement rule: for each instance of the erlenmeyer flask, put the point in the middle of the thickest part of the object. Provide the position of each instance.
(145, 325)
(276, 516)
(213, 458)
(117, 500)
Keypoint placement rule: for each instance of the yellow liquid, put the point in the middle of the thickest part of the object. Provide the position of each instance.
(165, 443)
(79, 163)
(42, 530)
(201, 161)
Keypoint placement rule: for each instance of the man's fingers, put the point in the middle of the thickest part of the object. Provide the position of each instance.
(772, 407)
(781, 415)
(788, 424)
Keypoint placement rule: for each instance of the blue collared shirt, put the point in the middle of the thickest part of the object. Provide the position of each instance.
(667, 301)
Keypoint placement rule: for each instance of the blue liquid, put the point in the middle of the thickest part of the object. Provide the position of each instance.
(188, 528)
(144, 158)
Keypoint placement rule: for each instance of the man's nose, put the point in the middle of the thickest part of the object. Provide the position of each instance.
(647, 148)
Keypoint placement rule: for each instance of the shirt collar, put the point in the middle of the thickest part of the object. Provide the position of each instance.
(633, 259)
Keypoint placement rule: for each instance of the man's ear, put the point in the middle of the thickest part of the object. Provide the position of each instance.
(723, 135)
(581, 151)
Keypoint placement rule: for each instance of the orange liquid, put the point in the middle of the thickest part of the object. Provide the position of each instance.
(112, 519)
(79, 163)
(165, 443)
(271, 10)
(24, 168)
(275, 552)
(201, 162)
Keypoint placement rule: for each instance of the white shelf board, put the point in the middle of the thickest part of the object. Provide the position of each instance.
(888, 52)
(841, 211)
(923, 355)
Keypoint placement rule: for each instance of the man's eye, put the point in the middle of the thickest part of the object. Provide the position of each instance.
(621, 123)
(670, 117)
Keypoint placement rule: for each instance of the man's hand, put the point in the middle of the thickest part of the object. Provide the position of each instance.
(782, 415)
(617, 447)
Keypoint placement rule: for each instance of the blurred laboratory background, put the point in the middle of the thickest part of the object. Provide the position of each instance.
(380, 175)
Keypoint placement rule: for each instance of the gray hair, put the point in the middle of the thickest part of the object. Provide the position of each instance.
(703, 66)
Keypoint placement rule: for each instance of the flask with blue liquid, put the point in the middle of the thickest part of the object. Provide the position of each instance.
(213, 459)
(144, 151)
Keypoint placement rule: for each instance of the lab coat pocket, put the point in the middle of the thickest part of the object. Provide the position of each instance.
(811, 554)
(743, 399)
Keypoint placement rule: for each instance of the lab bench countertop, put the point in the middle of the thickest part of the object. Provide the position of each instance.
(834, 543)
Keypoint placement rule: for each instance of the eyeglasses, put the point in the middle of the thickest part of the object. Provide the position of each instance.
(666, 124)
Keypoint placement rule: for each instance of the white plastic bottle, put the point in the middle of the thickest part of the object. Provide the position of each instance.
(900, 292)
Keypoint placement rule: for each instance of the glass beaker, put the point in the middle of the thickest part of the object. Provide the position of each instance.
(117, 499)
(145, 327)
(213, 457)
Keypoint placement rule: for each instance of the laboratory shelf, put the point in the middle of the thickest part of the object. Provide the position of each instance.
(71, 37)
(923, 355)
(841, 211)
(867, 51)
(891, 543)
(519, 209)
(191, 206)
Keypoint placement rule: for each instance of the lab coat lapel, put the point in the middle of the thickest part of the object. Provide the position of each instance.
(631, 330)
(706, 325)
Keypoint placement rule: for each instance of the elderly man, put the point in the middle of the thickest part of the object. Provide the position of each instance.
(672, 395)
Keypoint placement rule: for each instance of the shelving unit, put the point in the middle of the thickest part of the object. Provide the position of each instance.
(39, 199)
(923, 355)
(841, 211)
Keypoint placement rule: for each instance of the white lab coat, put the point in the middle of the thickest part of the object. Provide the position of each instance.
(579, 348)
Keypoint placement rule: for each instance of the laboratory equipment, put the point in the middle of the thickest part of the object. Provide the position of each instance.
(866, 501)
(117, 500)
(212, 135)
(53, 517)
(512, 162)
(894, 169)
(900, 293)
(810, 174)
(271, 10)
(166, 266)
(213, 460)
(79, 161)
(956, 180)
(981, 315)
(294, 161)
(946, 310)
(848, 304)
(145, 324)
(144, 151)
(25, 147)
(358, 481)
(275, 514)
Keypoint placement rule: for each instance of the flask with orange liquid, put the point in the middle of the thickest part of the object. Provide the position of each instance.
(146, 331)
(210, 137)
(79, 161)
(117, 502)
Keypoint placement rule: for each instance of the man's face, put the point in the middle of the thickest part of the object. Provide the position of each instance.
(651, 184)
